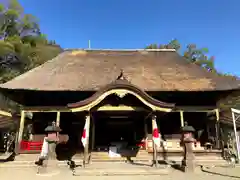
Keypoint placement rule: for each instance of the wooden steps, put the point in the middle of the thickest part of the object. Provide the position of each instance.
(145, 156)
(103, 156)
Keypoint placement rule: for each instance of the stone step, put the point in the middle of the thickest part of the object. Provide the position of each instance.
(138, 153)
(29, 159)
(32, 157)
(78, 161)
(112, 159)
(107, 155)
(147, 156)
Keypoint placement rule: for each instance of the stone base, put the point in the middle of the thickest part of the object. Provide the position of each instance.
(188, 166)
(188, 169)
(49, 168)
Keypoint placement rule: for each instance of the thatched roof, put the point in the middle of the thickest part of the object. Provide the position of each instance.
(90, 70)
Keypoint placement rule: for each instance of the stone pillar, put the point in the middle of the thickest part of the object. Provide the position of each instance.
(49, 165)
(188, 162)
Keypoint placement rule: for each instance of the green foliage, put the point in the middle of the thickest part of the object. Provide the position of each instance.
(174, 44)
(1, 8)
(152, 46)
(199, 57)
(22, 45)
(15, 5)
(192, 53)
(6, 47)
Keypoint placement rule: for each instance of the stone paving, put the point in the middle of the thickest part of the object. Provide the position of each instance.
(208, 173)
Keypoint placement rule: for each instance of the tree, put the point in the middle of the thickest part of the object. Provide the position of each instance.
(22, 44)
(152, 46)
(199, 57)
(174, 44)
(191, 53)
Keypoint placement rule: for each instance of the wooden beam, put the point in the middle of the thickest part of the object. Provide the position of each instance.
(55, 110)
(121, 93)
(20, 132)
(5, 113)
(46, 109)
(195, 109)
(120, 108)
(235, 110)
(181, 118)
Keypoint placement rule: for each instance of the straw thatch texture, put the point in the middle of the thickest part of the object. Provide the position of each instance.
(89, 70)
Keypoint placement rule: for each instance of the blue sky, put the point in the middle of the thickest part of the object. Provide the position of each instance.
(135, 23)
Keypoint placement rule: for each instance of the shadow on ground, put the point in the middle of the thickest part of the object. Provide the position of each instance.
(65, 152)
(207, 170)
(7, 157)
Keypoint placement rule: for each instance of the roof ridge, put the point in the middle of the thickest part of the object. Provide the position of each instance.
(134, 50)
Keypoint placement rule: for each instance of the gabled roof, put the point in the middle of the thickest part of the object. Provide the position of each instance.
(121, 83)
(150, 70)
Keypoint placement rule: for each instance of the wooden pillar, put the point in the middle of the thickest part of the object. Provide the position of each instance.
(86, 148)
(58, 119)
(16, 140)
(181, 118)
(20, 132)
(208, 130)
(146, 133)
(153, 144)
(93, 134)
(217, 127)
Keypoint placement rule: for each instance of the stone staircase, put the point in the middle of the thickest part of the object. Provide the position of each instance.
(103, 156)
(143, 156)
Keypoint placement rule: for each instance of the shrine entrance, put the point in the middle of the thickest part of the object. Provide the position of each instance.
(119, 121)
(125, 128)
